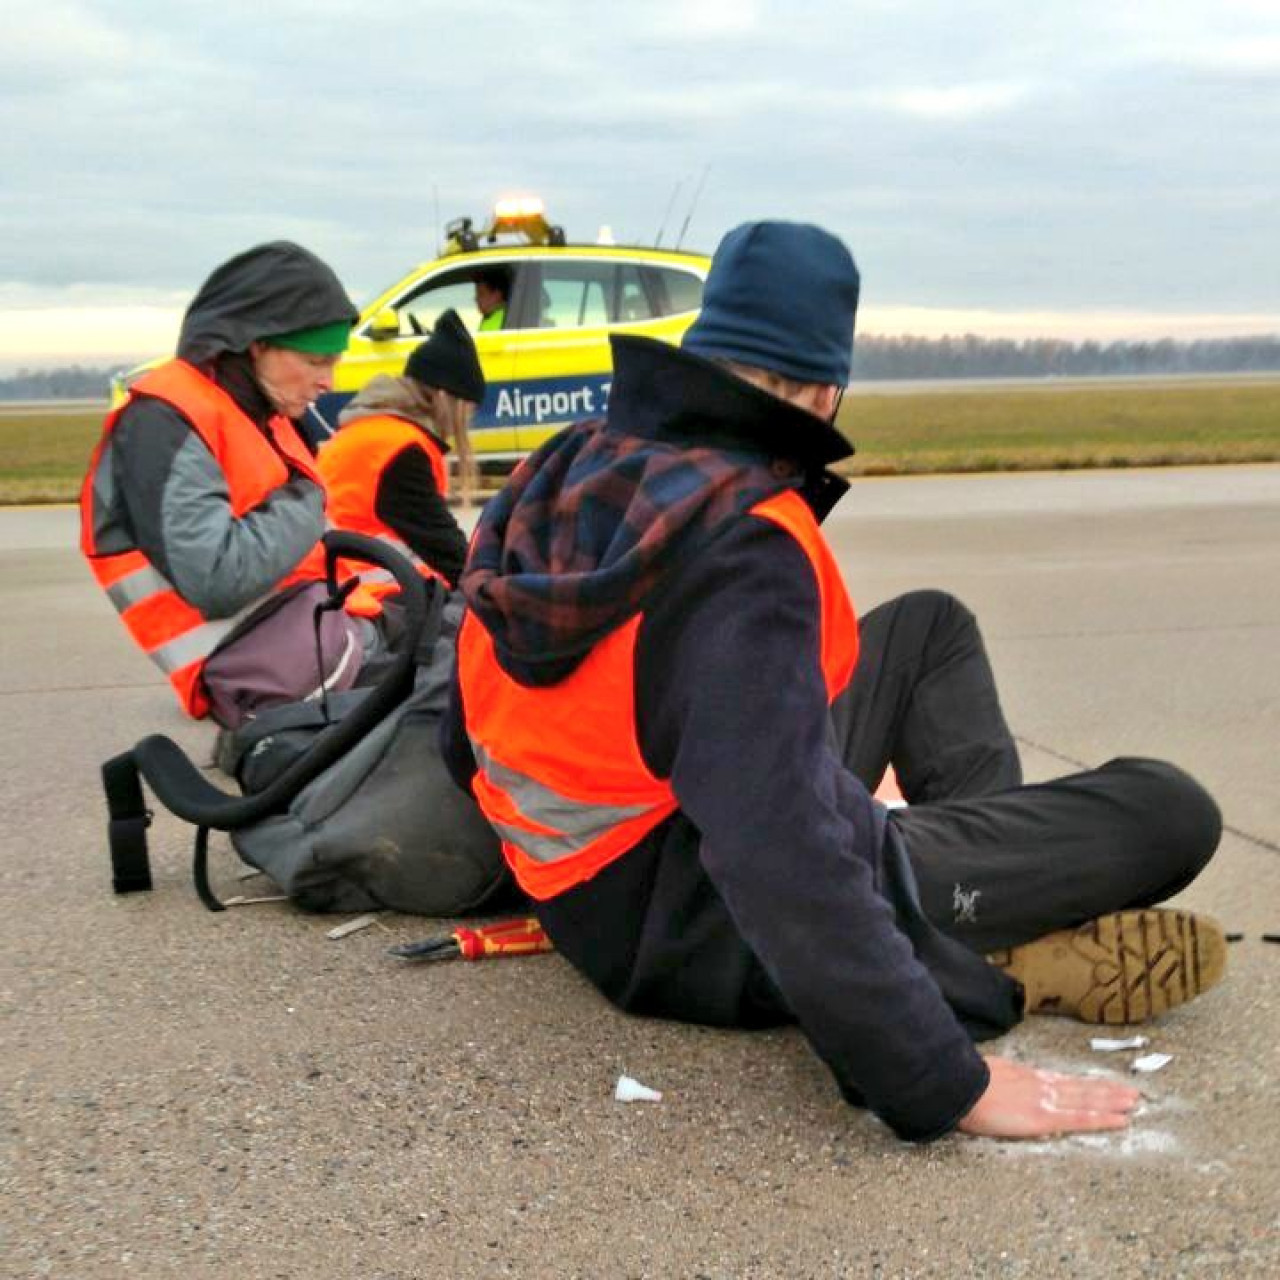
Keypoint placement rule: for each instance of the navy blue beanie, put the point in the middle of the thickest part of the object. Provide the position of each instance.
(780, 296)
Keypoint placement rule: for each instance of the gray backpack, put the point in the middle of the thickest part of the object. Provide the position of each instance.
(384, 826)
(348, 805)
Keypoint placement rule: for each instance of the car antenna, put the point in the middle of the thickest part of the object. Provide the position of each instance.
(435, 196)
(662, 227)
(702, 182)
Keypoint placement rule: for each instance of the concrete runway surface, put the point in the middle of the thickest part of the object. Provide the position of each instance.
(236, 1095)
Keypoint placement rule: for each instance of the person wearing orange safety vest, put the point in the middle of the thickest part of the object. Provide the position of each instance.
(202, 509)
(386, 469)
(668, 710)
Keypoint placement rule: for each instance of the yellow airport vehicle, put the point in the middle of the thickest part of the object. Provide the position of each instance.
(547, 360)
(546, 356)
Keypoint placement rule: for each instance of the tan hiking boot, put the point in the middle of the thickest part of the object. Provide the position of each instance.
(1125, 967)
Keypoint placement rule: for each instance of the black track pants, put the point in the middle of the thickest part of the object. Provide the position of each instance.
(998, 863)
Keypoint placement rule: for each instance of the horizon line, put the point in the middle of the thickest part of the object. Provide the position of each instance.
(40, 339)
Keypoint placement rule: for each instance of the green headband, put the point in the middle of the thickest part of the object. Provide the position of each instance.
(323, 340)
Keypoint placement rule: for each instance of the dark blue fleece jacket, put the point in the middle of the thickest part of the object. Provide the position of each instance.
(761, 900)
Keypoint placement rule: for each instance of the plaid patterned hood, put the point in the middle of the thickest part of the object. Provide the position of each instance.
(590, 524)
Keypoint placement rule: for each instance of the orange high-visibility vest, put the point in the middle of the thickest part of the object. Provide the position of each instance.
(352, 463)
(560, 774)
(173, 633)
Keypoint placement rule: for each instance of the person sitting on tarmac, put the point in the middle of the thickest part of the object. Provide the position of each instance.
(386, 469)
(702, 841)
(493, 288)
(202, 509)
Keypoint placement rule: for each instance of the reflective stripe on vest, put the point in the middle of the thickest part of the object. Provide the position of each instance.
(352, 463)
(135, 587)
(565, 826)
(172, 632)
(196, 645)
(562, 778)
(560, 775)
(145, 584)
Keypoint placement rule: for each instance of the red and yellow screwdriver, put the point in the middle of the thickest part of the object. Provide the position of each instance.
(522, 937)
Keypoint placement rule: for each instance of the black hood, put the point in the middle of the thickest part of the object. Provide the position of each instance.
(271, 289)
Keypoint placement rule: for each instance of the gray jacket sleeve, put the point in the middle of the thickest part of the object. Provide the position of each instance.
(179, 509)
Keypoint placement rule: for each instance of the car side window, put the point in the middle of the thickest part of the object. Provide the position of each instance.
(422, 307)
(634, 302)
(574, 295)
(673, 291)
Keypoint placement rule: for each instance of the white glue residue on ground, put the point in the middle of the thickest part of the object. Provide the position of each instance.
(1130, 1142)
(1140, 1139)
(1136, 1141)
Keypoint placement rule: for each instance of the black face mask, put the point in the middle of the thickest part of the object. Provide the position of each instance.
(835, 413)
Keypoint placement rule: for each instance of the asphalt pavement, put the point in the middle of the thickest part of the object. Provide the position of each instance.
(194, 1095)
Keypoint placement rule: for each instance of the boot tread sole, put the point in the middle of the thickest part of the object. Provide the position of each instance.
(1120, 968)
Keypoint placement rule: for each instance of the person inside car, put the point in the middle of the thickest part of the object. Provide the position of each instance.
(668, 710)
(492, 288)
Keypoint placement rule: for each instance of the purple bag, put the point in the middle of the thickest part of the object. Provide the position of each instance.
(273, 657)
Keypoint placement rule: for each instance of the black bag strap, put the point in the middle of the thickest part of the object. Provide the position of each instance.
(127, 833)
(200, 871)
(127, 825)
(180, 786)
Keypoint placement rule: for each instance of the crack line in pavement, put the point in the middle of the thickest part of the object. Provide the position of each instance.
(77, 688)
(1136, 631)
(1261, 841)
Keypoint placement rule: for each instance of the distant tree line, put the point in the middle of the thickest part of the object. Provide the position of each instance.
(72, 383)
(967, 356)
(970, 356)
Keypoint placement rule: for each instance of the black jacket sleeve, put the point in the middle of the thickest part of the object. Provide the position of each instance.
(734, 710)
(409, 503)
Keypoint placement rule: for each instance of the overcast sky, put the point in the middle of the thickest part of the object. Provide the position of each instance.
(1066, 166)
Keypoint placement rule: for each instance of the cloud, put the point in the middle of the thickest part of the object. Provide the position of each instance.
(1231, 36)
(59, 40)
(61, 44)
(1232, 55)
(709, 18)
(952, 102)
(40, 329)
(1087, 156)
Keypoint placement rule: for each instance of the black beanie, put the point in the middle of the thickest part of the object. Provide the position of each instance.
(780, 296)
(448, 360)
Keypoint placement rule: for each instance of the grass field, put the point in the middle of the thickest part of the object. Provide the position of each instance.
(1062, 426)
(44, 451)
